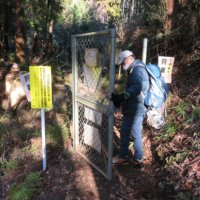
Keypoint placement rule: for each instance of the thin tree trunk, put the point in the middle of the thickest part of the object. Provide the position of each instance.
(20, 33)
(50, 40)
(123, 4)
(35, 49)
(6, 27)
(1, 44)
(132, 9)
(140, 6)
(45, 44)
(50, 34)
(137, 8)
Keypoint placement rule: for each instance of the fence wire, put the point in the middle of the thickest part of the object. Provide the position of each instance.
(93, 82)
(184, 45)
(92, 100)
(93, 136)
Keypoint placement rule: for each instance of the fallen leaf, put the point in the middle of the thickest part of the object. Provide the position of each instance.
(188, 186)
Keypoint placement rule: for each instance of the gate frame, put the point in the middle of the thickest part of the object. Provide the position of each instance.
(108, 110)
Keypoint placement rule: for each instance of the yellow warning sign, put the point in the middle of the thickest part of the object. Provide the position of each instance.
(96, 77)
(40, 86)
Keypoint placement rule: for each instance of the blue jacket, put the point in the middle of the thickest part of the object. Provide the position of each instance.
(137, 81)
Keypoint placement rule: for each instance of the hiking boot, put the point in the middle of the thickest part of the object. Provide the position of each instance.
(120, 161)
(138, 163)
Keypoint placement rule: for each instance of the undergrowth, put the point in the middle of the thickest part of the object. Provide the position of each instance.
(180, 129)
(25, 189)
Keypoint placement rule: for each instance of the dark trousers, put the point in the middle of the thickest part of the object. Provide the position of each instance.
(131, 125)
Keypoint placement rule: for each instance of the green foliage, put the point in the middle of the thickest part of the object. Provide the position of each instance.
(187, 152)
(169, 129)
(194, 114)
(26, 189)
(34, 149)
(113, 8)
(53, 132)
(170, 160)
(11, 56)
(57, 132)
(155, 14)
(181, 108)
(186, 196)
(74, 13)
(7, 166)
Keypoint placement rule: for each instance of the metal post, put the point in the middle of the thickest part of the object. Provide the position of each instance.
(144, 52)
(74, 89)
(43, 139)
(111, 106)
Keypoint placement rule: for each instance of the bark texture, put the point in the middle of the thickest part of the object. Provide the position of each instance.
(20, 33)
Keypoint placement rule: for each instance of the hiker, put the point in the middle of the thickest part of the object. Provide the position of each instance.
(133, 108)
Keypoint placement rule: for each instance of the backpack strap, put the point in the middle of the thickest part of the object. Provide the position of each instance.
(136, 66)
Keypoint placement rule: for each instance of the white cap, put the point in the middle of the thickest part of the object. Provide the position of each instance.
(123, 55)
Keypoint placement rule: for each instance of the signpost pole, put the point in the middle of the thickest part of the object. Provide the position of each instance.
(43, 138)
(41, 97)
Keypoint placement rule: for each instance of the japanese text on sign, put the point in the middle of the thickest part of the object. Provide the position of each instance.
(26, 85)
(41, 89)
(166, 65)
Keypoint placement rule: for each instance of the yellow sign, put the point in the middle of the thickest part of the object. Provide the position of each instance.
(40, 86)
(96, 77)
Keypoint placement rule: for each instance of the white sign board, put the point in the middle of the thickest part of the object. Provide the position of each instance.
(91, 57)
(25, 80)
(91, 137)
(93, 116)
(166, 65)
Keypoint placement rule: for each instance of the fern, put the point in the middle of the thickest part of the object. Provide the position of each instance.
(21, 192)
(181, 108)
(25, 190)
(194, 113)
(169, 129)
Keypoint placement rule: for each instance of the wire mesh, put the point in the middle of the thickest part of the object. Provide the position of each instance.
(93, 55)
(93, 82)
(183, 44)
(93, 136)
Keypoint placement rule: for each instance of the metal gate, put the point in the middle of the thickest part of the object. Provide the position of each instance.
(93, 83)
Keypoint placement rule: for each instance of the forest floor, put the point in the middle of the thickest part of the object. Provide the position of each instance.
(68, 176)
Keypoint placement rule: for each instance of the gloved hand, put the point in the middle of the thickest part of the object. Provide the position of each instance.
(117, 99)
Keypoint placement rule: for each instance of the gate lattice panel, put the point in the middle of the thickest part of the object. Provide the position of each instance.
(92, 87)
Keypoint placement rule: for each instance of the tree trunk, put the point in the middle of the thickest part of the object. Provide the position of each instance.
(137, 9)
(35, 45)
(20, 33)
(50, 34)
(171, 14)
(6, 27)
(50, 39)
(1, 44)
(45, 44)
(132, 9)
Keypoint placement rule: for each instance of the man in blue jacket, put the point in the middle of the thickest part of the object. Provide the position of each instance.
(133, 108)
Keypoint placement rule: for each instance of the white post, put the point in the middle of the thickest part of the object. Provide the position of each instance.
(144, 52)
(43, 139)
